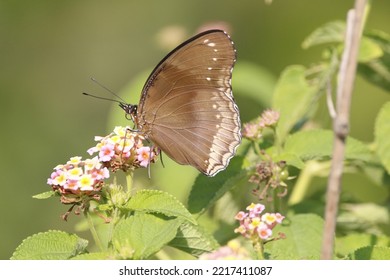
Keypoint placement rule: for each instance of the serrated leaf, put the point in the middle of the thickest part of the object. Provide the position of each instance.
(372, 253)
(51, 245)
(331, 32)
(368, 50)
(377, 71)
(142, 235)
(303, 240)
(317, 144)
(382, 135)
(194, 240)
(293, 97)
(206, 190)
(45, 195)
(154, 201)
(346, 245)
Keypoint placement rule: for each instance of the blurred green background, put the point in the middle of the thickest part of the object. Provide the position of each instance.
(50, 49)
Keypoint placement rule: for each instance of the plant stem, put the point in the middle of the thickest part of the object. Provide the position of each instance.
(93, 231)
(259, 249)
(256, 148)
(302, 186)
(129, 181)
(112, 225)
(346, 80)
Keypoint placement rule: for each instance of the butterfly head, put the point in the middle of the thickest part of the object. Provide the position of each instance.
(130, 110)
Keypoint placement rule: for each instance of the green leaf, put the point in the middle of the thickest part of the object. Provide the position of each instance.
(377, 71)
(303, 239)
(317, 144)
(253, 82)
(206, 190)
(369, 50)
(290, 159)
(361, 188)
(45, 195)
(154, 201)
(96, 256)
(372, 253)
(51, 245)
(382, 135)
(368, 217)
(194, 240)
(142, 235)
(293, 98)
(346, 245)
(331, 32)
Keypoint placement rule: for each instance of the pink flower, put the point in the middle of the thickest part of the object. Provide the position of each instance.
(269, 118)
(268, 218)
(279, 218)
(106, 152)
(241, 215)
(233, 250)
(255, 209)
(92, 150)
(144, 154)
(264, 231)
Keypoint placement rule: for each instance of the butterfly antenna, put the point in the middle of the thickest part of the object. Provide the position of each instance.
(104, 98)
(107, 89)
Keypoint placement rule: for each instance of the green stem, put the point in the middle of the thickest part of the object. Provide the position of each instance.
(112, 225)
(93, 231)
(302, 186)
(367, 9)
(129, 181)
(276, 200)
(259, 249)
(256, 148)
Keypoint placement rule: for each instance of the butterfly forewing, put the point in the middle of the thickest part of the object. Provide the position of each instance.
(187, 107)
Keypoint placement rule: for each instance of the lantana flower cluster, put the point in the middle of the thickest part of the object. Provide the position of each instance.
(257, 226)
(254, 129)
(123, 149)
(233, 250)
(78, 178)
(79, 181)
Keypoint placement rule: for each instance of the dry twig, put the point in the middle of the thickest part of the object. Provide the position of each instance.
(346, 80)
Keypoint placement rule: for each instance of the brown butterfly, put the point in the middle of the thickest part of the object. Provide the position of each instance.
(187, 107)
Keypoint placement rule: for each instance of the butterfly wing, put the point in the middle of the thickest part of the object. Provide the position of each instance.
(187, 106)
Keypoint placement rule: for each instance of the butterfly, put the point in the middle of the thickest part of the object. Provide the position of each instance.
(187, 108)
